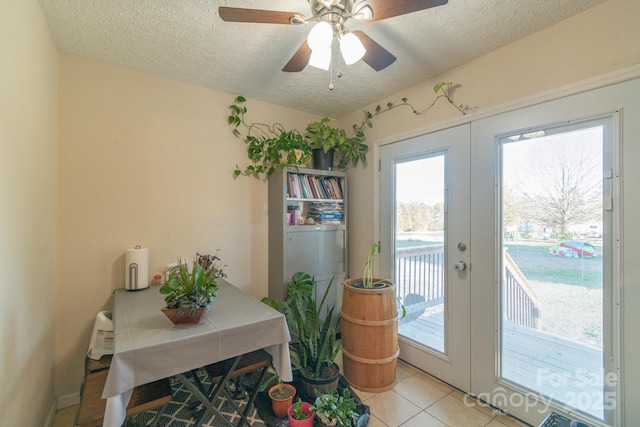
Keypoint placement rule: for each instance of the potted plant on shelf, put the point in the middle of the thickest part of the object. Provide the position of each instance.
(369, 330)
(265, 141)
(329, 143)
(300, 414)
(189, 292)
(334, 409)
(315, 345)
(269, 147)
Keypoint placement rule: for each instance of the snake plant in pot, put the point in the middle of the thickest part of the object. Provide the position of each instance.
(313, 328)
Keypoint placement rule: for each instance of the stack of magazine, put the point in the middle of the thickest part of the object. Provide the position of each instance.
(326, 212)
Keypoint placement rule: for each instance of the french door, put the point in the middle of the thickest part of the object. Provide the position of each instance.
(503, 238)
(546, 203)
(426, 248)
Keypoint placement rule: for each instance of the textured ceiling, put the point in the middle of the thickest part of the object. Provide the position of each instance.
(186, 40)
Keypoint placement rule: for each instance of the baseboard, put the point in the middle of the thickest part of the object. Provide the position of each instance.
(67, 400)
(51, 416)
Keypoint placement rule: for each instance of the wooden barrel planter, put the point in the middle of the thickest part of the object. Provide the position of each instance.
(369, 336)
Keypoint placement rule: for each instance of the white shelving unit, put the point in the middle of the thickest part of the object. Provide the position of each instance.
(295, 244)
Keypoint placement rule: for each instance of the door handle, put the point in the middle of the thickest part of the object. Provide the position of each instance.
(460, 266)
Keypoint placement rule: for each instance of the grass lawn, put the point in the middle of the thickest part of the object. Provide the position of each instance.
(570, 290)
(536, 264)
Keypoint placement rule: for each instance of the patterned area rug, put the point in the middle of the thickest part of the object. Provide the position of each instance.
(181, 410)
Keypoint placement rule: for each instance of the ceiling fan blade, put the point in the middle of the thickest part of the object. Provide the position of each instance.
(299, 60)
(236, 14)
(383, 9)
(376, 56)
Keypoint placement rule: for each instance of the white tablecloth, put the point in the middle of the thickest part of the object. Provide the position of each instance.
(148, 347)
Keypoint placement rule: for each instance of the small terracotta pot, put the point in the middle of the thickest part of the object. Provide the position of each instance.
(307, 422)
(280, 405)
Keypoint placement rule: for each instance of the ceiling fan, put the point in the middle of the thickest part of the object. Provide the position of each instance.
(330, 17)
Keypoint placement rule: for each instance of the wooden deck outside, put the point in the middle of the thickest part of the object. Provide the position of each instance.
(567, 371)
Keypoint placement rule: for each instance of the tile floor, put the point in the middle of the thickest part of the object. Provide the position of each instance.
(417, 400)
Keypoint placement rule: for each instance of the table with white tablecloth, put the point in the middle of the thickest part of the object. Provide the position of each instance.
(149, 347)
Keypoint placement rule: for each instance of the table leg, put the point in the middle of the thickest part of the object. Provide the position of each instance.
(207, 401)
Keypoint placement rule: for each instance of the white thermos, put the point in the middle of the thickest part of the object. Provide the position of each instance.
(137, 268)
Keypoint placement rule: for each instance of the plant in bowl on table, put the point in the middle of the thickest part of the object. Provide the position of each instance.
(190, 291)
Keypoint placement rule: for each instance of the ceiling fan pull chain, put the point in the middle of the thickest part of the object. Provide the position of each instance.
(331, 73)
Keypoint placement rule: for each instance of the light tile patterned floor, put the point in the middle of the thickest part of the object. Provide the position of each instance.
(417, 400)
(420, 400)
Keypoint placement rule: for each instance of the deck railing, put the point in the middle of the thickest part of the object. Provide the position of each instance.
(521, 304)
(420, 276)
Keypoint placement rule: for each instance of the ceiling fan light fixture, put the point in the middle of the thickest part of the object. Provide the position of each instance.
(321, 58)
(320, 36)
(351, 48)
(365, 13)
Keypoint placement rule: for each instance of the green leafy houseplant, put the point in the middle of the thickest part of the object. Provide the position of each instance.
(298, 412)
(316, 336)
(367, 274)
(187, 290)
(316, 345)
(368, 282)
(349, 150)
(268, 147)
(334, 409)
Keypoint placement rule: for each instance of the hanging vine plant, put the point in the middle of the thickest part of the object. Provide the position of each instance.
(272, 147)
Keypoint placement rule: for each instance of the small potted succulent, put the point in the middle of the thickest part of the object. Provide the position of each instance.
(300, 414)
(189, 292)
(334, 409)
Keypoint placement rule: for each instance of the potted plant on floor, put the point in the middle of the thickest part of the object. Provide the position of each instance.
(369, 330)
(280, 393)
(313, 330)
(334, 409)
(189, 292)
(300, 414)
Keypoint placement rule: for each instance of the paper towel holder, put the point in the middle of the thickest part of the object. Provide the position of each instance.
(136, 273)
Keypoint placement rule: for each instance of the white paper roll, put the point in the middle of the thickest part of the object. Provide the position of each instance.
(137, 268)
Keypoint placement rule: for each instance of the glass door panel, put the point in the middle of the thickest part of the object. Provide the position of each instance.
(553, 283)
(420, 257)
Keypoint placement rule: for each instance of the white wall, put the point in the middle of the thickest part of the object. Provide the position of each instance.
(148, 161)
(28, 170)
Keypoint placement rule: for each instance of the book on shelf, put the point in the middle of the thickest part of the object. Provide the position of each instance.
(327, 212)
(303, 186)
